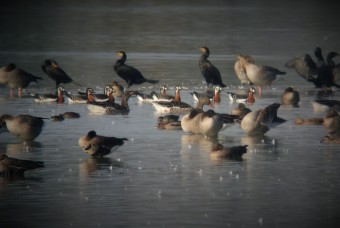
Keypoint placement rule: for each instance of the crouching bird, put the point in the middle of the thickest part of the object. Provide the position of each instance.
(99, 146)
(16, 167)
(235, 152)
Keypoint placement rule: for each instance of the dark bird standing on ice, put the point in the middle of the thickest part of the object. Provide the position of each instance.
(130, 74)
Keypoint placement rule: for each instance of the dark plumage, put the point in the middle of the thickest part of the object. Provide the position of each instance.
(53, 70)
(210, 73)
(16, 167)
(130, 74)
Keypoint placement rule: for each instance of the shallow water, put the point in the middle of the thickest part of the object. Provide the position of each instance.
(166, 178)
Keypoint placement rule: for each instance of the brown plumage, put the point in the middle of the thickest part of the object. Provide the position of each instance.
(290, 97)
(97, 145)
(16, 167)
(219, 152)
(308, 121)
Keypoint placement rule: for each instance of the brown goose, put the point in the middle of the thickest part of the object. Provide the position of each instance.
(17, 167)
(99, 146)
(240, 70)
(290, 97)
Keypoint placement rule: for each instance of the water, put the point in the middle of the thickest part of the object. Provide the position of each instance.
(166, 178)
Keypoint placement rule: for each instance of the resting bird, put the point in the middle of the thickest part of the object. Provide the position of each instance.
(240, 70)
(50, 97)
(235, 152)
(130, 74)
(260, 121)
(210, 73)
(16, 78)
(54, 71)
(99, 146)
(16, 167)
(290, 97)
(25, 127)
(335, 67)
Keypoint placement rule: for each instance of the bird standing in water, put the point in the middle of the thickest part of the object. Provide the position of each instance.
(210, 73)
(130, 74)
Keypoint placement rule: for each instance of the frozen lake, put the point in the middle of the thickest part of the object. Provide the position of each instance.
(165, 178)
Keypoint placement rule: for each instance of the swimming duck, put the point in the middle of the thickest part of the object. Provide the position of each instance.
(16, 167)
(249, 98)
(131, 75)
(16, 78)
(240, 70)
(261, 75)
(99, 146)
(207, 123)
(290, 97)
(308, 121)
(220, 152)
(49, 97)
(241, 110)
(210, 73)
(169, 122)
(260, 121)
(325, 105)
(52, 69)
(25, 127)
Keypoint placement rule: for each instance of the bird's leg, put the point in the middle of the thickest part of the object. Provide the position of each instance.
(20, 92)
(11, 92)
(259, 90)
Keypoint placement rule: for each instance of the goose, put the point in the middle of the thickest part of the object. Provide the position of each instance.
(241, 110)
(144, 97)
(221, 152)
(10, 166)
(323, 105)
(129, 74)
(260, 121)
(99, 146)
(248, 98)
(162, 96)
(48, 97)
(25, 127)
(16, 78)
(240, 70)
(169, 122)
(290, 97)
(331, 122)
(261, 75)
(117, 88)
(210, 73)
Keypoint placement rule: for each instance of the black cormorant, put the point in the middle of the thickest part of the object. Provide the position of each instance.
(210, 73)
(130, 74)
(53, 70)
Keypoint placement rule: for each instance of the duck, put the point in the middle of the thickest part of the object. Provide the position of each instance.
(49, 97)
(25, 127)
(259, 122)
(52, 69)
(57, 117)
(162, 96)
(221, 152)
(99, 146)
(261, 75)
(249, 98)
(290, 97)
(241, 110)
(210, 73)
(10, 166)
(16, 78)
(323, 105)
(169, 122)
(206, 123)
(308, 121)
(129, 74)
(240, 70)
